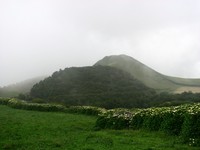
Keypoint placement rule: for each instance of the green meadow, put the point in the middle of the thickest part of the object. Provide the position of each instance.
(34, 130)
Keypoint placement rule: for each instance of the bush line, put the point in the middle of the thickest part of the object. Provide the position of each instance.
(20, 104)
(183, 121)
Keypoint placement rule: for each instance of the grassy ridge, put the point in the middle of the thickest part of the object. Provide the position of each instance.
(143, 73)
(33, 130)
(148, 76)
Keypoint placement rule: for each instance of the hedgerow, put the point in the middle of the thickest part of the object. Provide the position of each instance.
(191, 126)
(183, 121)
(20, 104)
(88, 110)
(4, 101)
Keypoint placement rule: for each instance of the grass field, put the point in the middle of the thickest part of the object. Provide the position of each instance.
(187, 89)
(32, 130)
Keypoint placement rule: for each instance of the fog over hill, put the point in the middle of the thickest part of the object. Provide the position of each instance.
(38, 37)
(150, 77)
(20, 87)
(146, 75)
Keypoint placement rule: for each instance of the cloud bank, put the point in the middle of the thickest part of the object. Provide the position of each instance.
(41, 36)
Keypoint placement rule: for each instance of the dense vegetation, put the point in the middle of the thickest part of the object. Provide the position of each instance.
(103, 87)
(183, 121)
(22, 130)
(97, 86)
(170, 99)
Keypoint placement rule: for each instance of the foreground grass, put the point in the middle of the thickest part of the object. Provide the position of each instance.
(32, 130)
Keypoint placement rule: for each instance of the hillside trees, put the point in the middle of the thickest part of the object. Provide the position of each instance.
(103, 86)
(98, 86)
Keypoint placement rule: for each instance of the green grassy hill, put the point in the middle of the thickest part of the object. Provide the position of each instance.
(150, 77)
(101, 86)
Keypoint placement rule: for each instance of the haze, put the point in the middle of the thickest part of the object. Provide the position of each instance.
(38, 37)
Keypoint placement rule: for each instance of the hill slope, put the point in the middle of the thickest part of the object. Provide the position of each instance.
(98, 86)
(21, 87)
(148, 76)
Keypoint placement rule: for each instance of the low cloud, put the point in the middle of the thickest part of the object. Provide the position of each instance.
(42, 36)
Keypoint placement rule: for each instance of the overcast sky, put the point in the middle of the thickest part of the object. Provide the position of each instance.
(38, 37)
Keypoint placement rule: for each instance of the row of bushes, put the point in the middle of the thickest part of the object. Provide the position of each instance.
(20, 104)
(4, 101)
(88, 110)
(183, 121)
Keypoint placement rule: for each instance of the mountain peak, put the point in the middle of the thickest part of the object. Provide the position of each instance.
(147, 75)
(119, 59)
(121, 56)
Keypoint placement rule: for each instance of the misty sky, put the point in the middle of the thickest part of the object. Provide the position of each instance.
(38, 37)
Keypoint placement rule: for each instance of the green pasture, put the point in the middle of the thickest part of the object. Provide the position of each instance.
(33, 130)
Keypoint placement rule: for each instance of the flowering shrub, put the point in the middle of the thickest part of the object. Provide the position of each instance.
(15, 103)
(114, 119)
(4, 101)
(88, 110)
(191, 126)
(181, 120)
(20, 104)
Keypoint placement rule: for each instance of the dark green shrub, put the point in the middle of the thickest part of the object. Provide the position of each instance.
(152, 122)
(4, 101)
(121, 123)
(14, 103)
(101, 122)
(111, 123)
(172, 123)
(137, 122)
(191, 129)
